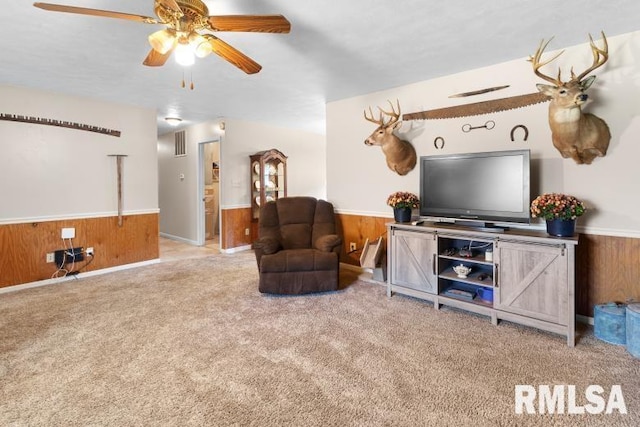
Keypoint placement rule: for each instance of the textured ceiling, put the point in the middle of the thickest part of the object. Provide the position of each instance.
(336, 49)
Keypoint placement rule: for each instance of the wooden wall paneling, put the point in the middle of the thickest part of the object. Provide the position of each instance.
(23, 247)
(358, 228)
(607, 270)
(233, 225)
(137, 240)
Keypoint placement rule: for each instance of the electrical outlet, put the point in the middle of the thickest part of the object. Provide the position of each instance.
(89, 251)
(246, 231)
(352, 246)
(50, 257)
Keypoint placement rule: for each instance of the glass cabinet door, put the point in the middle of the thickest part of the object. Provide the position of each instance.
(268, 179)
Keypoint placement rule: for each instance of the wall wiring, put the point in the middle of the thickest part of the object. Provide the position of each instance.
(61, 271)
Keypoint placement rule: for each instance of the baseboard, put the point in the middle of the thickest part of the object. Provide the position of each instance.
(178, 239)
(584, 319)
(236, 249)
(56, 281)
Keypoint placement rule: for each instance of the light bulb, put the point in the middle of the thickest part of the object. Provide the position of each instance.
(184, 54)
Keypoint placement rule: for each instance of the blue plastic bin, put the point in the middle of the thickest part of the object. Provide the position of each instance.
(633, 329)
(610, 323)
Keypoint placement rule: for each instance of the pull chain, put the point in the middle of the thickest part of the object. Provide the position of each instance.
(184, 84)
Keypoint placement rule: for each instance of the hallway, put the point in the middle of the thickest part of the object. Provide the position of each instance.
(171, 250)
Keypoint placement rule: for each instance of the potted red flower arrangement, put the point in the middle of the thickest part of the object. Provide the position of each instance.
(402, 203)
(560, 211)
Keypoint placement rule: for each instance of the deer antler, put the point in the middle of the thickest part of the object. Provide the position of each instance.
(535, 60)
(600, 56)
(379, 122)
(394, 116)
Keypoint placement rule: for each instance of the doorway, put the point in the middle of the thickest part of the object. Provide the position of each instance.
(209, 194)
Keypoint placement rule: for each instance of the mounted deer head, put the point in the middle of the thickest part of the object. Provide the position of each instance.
(400, 155)
(581, 136)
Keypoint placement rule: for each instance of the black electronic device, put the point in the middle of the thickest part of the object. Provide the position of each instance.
(465, 252)
(480, 189)
(68, 256)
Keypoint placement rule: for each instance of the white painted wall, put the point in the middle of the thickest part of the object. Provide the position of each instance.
(358, 180)
(179, 198)
(50, 172)
(306, 168)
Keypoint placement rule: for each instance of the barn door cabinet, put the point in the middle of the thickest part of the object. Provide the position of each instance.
(413, 264)
(528, 278)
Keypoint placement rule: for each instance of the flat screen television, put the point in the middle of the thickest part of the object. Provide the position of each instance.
(479, 188)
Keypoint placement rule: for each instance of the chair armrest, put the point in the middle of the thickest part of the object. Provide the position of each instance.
(328, 242)
(267, 245)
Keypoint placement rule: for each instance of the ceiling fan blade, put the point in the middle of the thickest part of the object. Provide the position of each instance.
(156, 59)
(250, 23)
(233, 55)
(95, 12)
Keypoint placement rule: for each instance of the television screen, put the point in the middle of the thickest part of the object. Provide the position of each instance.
(490, 186)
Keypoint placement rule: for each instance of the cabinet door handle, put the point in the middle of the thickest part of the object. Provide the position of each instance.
(433, 265)
(496, 276)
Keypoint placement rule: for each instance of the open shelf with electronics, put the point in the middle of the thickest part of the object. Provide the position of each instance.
(519, 275)
(474, 260)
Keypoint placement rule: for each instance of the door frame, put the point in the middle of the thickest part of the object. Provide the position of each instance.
(200, 210)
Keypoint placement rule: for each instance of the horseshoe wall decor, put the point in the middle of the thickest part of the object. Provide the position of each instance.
(526, 132)
(435, 143)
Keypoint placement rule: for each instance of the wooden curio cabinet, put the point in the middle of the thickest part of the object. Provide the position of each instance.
(268, 178)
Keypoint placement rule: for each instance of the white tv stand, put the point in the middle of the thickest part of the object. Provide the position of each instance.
(531, 274)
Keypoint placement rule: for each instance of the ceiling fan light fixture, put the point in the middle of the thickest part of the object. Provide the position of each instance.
(173, 121)
(162, 41)
(183, 21)
(203, 49)
(184, 54)
(200, 45)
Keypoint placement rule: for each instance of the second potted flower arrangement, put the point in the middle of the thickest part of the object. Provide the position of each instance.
(560, 211)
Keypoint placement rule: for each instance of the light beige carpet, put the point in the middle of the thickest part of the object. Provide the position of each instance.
(194, 343)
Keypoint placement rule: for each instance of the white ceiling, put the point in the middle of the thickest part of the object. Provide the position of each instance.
(336, 49)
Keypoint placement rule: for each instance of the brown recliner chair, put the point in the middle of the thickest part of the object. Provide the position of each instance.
(298, 246)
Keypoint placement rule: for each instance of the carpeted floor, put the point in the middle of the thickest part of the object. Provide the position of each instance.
(193, 343)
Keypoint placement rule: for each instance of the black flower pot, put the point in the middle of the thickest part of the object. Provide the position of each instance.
(402, 214)
(561, 227)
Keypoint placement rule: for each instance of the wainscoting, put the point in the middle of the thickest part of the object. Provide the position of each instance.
(607, 268)
(233, 228)
(24, 246)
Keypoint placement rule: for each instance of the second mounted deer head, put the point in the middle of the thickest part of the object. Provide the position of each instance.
(400, 154)
(581, 136)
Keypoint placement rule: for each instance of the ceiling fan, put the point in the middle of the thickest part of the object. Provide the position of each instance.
(185, 19)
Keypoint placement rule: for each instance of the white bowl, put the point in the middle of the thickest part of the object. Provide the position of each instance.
(462, 270)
